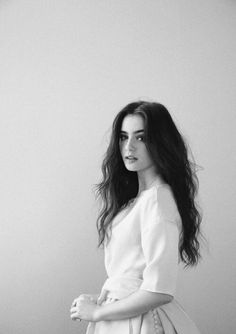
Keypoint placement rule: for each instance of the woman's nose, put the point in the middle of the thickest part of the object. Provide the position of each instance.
(130, 144)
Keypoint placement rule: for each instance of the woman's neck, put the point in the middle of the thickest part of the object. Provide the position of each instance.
(148, 181)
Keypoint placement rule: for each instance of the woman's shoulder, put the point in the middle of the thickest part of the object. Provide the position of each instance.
(161, 198)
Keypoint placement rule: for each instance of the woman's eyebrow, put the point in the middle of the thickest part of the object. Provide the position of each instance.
(138, 131)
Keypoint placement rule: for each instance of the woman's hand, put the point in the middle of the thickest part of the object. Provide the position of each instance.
(91, 297)
(85, 307)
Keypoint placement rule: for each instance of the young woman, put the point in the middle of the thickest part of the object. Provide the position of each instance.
(148, 223)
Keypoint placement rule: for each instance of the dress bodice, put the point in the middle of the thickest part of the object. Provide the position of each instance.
(143, 248)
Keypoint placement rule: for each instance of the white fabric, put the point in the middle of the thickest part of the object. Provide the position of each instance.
(145, 240)
(143, 254)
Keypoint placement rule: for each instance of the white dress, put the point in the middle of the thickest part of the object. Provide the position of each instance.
(143, 254)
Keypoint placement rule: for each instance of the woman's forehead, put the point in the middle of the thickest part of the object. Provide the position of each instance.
(132, 123)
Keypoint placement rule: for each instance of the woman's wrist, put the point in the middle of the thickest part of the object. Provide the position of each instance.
(137, 303)
(98, 313)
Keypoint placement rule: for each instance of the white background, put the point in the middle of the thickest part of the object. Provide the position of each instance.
(66, 68)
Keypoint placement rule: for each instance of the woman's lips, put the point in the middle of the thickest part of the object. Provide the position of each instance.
(131, 159)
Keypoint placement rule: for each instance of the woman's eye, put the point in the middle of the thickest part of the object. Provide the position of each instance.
(140, 138)
(123, 137)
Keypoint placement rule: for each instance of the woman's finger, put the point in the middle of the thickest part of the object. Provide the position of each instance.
(74, 310)
(102, 296)
(74, 302)
(81, 297)
(74, 316)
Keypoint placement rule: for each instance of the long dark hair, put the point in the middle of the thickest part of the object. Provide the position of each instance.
(169, 153)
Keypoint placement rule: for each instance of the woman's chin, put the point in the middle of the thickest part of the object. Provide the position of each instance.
(131, 168)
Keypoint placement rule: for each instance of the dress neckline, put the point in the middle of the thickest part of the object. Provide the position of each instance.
(155, 184)
(133, 201)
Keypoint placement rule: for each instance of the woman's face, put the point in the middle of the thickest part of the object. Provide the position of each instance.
(132, 145)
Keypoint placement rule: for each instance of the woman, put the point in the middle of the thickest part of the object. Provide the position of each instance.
(148, 223)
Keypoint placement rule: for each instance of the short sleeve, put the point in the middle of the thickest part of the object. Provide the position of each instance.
(160, 241)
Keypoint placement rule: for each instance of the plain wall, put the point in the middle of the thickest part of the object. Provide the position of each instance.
(66, 69)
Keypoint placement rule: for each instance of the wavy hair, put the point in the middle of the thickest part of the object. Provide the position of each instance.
(169, 153)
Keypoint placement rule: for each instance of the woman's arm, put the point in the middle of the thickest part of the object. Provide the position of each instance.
(137, 303)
